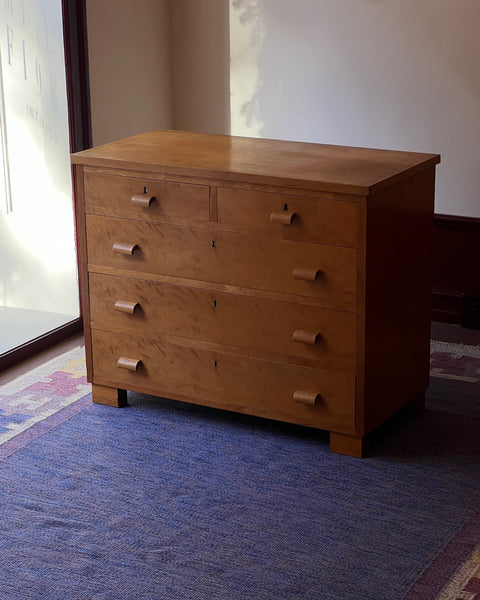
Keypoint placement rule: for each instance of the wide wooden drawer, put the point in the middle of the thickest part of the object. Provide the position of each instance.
(258, 387)
(305, 269)
(325, 337)
(146, 199)
(288, 216)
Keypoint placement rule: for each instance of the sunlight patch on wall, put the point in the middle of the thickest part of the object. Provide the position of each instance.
(247, 34)
(396, 74)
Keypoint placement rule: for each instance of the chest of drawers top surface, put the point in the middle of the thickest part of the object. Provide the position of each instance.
(341, 169)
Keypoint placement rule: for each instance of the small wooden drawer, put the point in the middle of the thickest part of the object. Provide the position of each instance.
(285, 266)
(288, 216)
(326, 338)
(146, 199)
(283, 392)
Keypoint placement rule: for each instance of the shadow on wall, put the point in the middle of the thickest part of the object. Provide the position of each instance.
(200, 65)
(397, 74)
(313, 67)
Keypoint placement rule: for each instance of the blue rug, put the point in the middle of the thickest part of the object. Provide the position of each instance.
(164, 500)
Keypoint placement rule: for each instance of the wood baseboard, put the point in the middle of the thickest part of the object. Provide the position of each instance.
(456, 268)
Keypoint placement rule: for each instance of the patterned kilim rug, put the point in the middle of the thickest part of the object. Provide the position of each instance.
(172, 501)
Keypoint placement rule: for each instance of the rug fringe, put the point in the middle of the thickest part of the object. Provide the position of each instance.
(455, 349)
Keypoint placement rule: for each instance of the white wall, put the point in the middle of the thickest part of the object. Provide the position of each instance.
(130, 67)
(400, 74)
(158, 64)
(201, 65)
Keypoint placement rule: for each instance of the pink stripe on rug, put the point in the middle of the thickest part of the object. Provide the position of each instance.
(22, 439)
(41, 399)
(455, 573)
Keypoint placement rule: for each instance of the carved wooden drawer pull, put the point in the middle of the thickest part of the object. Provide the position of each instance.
(122, 248)
(308, 398)
(305, 337)
(285, 217)
(130, 364)
(126, 307)
(142, 200)
(306, 273)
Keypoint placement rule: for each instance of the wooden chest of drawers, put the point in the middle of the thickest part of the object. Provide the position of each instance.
(285, 280)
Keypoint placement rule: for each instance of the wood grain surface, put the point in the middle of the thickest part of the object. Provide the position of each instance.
(285, 280)
(331, 168)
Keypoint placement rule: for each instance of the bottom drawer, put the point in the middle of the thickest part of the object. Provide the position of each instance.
(301, 395)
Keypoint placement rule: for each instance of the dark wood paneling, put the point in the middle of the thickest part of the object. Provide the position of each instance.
(456, 268)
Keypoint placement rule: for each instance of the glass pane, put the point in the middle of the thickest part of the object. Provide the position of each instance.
(38, 275)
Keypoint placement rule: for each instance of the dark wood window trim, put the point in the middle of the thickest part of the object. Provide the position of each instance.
(76, 62)
(78, 95)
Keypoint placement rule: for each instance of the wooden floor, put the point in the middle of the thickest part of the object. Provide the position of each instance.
(19, 325)
(440, 331)
(42, 357)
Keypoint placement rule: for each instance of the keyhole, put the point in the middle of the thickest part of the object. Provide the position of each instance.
(213, 243)
(144, 189)
(215, 303)
(215, 363)
(285, 206)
